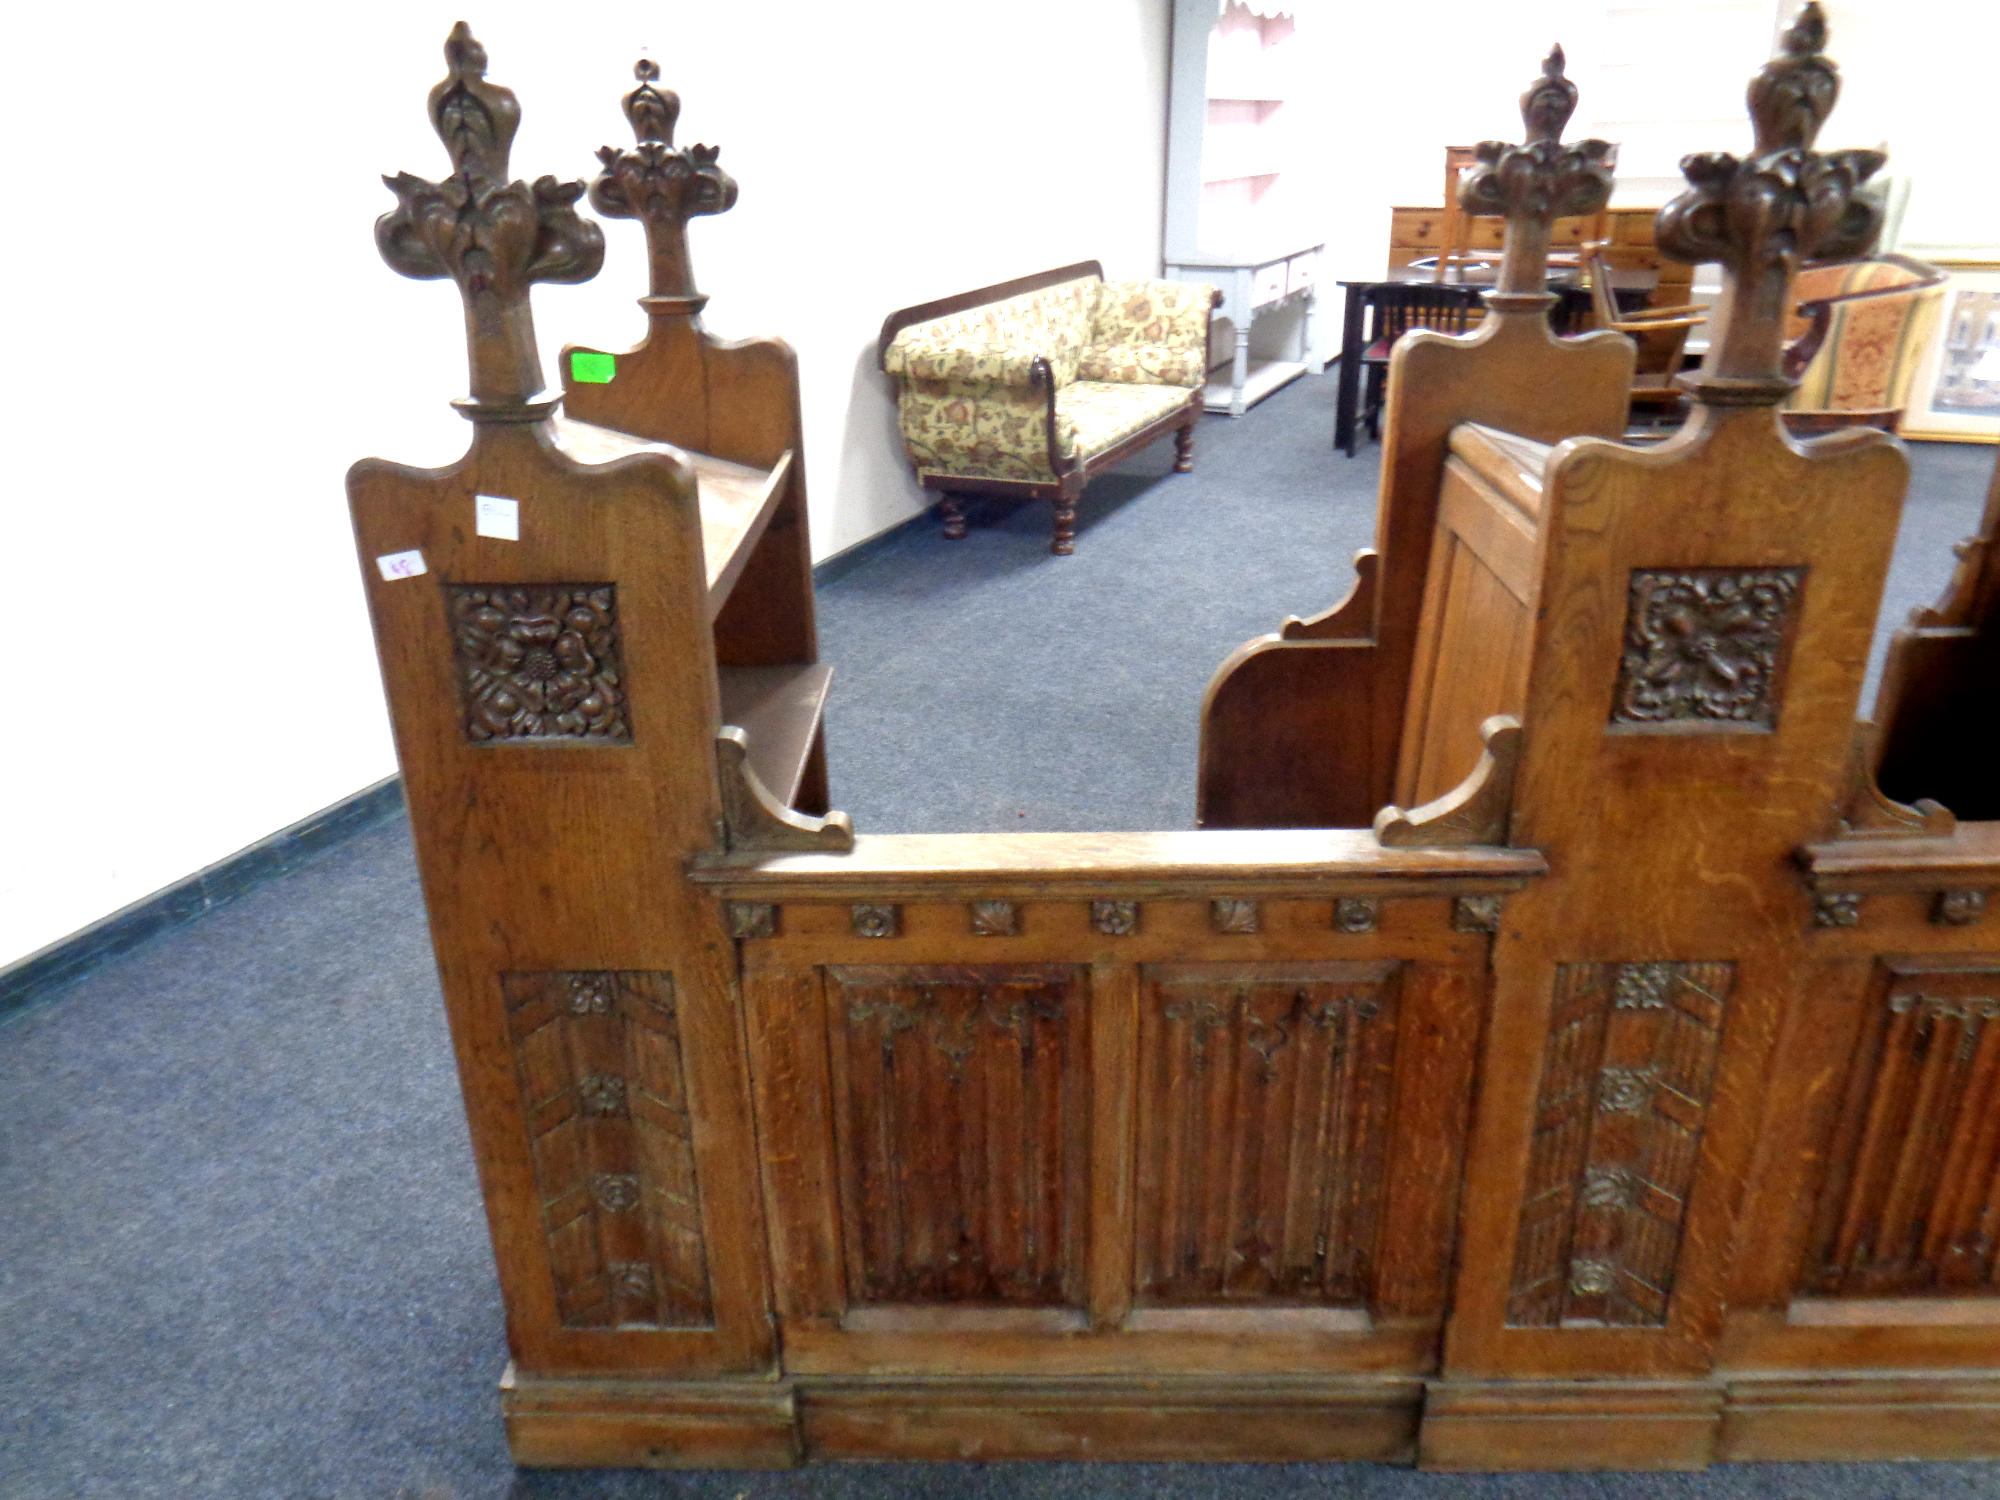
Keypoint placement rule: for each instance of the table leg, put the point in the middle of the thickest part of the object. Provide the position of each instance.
(1349, 394)
(1239, 369)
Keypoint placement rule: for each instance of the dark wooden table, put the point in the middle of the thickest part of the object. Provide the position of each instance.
(1572, 312)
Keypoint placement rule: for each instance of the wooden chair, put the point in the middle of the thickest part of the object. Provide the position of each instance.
(1455, 228)
(1398, 309)
(1858, 332)
(1659, 332)
(1301, 727)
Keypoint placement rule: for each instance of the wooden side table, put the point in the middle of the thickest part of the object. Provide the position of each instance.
(1252, 287)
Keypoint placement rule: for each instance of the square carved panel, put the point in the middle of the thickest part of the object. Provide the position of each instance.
(538, 661)
(1705, 647)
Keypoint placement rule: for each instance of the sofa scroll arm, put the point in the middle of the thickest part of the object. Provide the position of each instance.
(1042, 375)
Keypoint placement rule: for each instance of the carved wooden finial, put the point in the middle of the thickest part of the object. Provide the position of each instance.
(1540, 181)
(1763, 216)
(491, 236)
(662, 186)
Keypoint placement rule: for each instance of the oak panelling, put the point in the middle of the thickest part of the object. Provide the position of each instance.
(604, 1095)
(1572, 1425)
(1969, 856)
(1264, 862)
(624, 1423)
(1255, 1341)
(1443, 1015)
(961, 1125)
(1114, 1058)
(1472, 641)
(532, 850)
(1911, 1199)
(1858, 1418)
(1669, 847)
(786, 1021)
(1287, 1420)
(1625, 1085)
(1756, 1340)
(1264, 1096)
(1513, 375)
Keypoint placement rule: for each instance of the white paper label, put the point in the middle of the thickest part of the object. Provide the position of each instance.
(401, 564)
(497, 516)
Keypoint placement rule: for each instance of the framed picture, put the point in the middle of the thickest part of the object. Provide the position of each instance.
(1956, 396)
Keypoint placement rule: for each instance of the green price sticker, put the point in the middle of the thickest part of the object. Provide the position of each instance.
(589, 368)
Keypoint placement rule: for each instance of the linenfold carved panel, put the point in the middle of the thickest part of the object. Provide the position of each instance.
(1911, 1200)
(538, 661)
(1264, 1094)
(1705, 646)
(1624, 1093)
(961, 1125)
(598, 1056)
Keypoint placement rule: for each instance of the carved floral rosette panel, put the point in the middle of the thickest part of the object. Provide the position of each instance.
(598, 1057)
(1911, 1199)
(1619, 1113)
(538, 662)
(1705, 647)
(961, 1126)
(1263, 1121)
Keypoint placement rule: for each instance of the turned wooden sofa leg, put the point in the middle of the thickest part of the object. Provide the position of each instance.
(1184, 449)
(1065, 541)
(954, 517)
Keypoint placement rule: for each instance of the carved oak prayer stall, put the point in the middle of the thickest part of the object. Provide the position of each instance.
(1305, 727)
(1627, 1100)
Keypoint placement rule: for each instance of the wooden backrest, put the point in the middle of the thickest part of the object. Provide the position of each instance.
(1455, 236)
(1303, 727)
(1398, 309)
(1000, 291)
(1479, 601)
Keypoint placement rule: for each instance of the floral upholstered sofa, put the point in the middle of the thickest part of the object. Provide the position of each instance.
(1034, 386)
(1859, 331)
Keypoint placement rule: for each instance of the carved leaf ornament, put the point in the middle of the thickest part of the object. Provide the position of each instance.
(660, 184)
(1542, 178)
(1764, 215)
(654, 176)
(492, 236)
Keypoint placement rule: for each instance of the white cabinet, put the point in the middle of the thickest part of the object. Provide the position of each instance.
(1231, 183)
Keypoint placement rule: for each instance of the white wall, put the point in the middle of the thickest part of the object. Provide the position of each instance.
(1660, 77)
(201, 337)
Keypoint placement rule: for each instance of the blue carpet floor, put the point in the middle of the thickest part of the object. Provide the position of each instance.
(241, 1246)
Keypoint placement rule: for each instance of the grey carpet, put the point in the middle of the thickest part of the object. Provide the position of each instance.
(985, 684)
(241, 1245)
